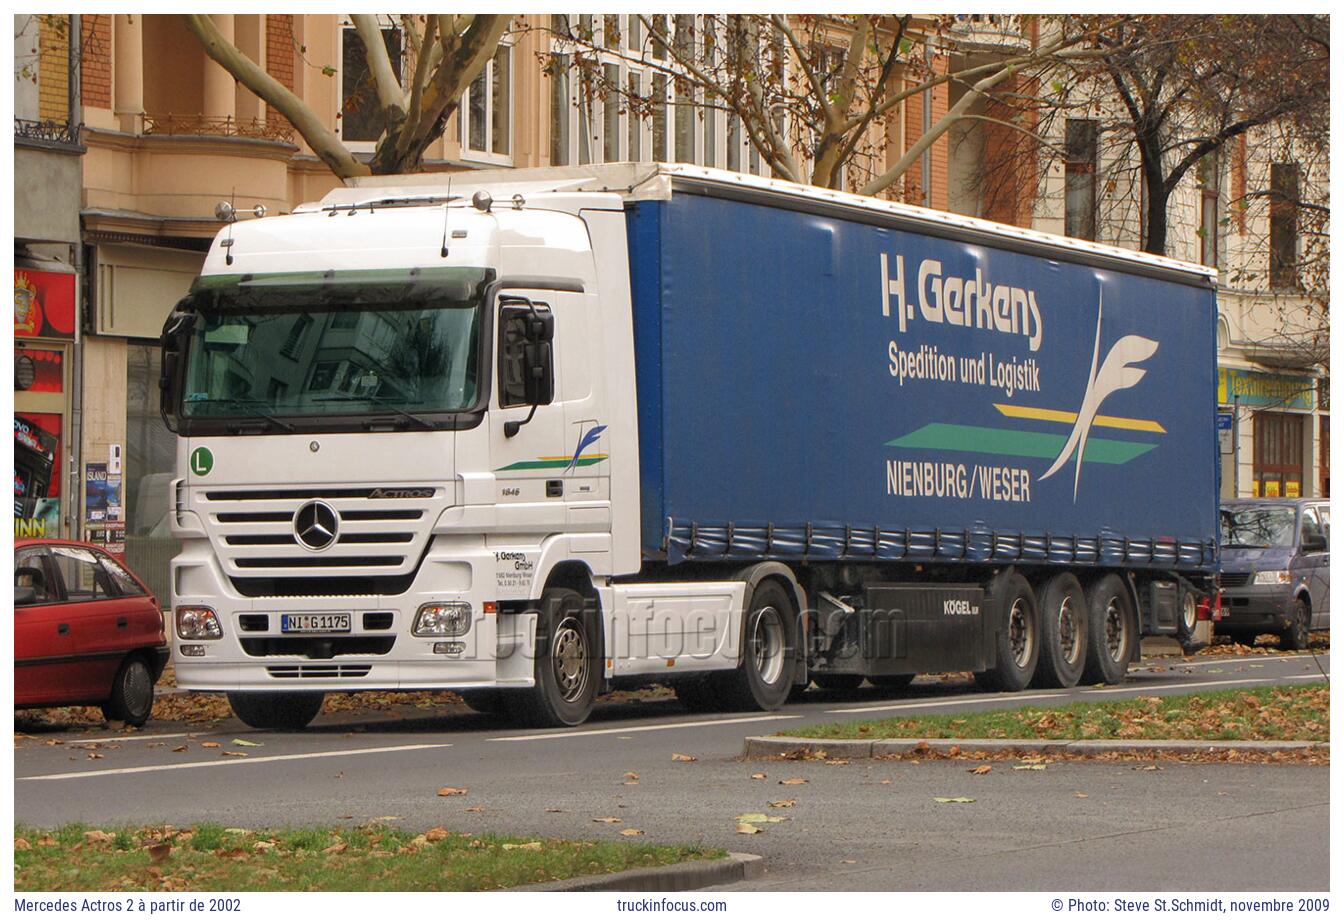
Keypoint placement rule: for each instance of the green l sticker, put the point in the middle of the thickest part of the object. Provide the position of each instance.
(202, 461)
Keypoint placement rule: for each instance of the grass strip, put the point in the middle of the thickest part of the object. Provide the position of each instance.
(208, 857)
(1298, 713)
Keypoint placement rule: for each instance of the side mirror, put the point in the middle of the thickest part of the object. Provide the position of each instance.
(172, 342)
(529, 328)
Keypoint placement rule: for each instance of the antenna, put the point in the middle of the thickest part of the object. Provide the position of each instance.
(233, 216)
(443, 246)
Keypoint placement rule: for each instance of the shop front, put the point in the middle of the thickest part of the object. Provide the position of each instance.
(1275, 445)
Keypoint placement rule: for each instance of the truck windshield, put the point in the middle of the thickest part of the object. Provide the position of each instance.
(386, 342)
(1258, 526)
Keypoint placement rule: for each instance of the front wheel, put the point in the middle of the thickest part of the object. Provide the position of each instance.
(764, 678)
(1112, 631)
(1017, 637)
(132, 697)
(277, 711)
(568, 665)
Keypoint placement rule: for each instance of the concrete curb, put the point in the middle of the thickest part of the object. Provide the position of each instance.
(777, 746)
(687, 876)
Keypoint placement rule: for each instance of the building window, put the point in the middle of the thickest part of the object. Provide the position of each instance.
(1283, 189)
(487, 111)
(1080, 178)
(360, 124)
(1278, 455)
(1207, 174)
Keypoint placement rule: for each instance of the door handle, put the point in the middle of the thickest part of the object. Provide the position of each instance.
(63, 629)
(121, 622)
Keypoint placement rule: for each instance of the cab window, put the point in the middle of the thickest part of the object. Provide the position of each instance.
(1311, 527)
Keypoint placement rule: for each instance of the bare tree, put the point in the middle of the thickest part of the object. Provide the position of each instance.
(444, 54)
(812, 93)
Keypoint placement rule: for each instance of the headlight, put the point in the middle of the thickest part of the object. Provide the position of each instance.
(452, 619)
(198, 623)
(1276, 577)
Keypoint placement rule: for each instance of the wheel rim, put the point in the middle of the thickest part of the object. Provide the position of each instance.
(1020, 638)
(569, 659)
(1070, 631)
(1115, 629)
(1189, 615)
(137, 689)
(767, 645)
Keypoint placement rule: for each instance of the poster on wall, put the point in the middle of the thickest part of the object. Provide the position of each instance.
(39, 370)
(44, 304)
(95, 492)
(37, 479)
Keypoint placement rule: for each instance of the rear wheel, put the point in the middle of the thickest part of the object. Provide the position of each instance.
(1018, 634)
(1063, 633)
(1297, 635)
(1111, 629)
(568, 665)
(837, 681)
(1188, 621)
(132, 697)
(282, 711)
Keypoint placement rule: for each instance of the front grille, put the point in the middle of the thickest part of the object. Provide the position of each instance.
(318, 562)
(254, 622)
(299, 671)
(1234, 579)
(318, 647)
(380, 620)
(324, 586)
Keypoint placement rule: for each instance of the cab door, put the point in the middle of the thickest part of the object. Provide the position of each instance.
(44, 647)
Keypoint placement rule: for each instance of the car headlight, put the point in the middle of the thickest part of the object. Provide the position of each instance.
(436, 620)
(198, 623)
(1275, 577)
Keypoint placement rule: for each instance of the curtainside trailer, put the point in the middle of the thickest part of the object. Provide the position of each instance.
(530, 433)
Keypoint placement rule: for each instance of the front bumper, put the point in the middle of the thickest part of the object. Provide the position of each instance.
(1267, 607)
(255, 655)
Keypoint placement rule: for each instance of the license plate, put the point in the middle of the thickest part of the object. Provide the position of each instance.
(314, 622)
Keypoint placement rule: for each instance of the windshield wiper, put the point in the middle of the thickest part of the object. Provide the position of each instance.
(381, 402)
(252, 405)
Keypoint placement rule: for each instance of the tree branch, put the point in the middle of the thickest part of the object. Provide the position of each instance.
(385, 82)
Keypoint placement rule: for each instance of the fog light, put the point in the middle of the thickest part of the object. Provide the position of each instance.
(198, 623)
(450, 619)
(192, 651)
(449, 648)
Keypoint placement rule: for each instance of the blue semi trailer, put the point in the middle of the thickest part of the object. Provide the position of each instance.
(567, 428)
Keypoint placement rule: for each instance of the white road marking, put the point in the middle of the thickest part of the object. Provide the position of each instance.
(1257, 661)
(233, 762)
(642, 728)
(1206, 683)
(1008, 698)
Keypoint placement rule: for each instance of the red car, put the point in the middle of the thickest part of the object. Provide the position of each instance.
(87, 632)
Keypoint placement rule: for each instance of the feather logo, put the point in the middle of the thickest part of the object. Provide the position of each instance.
(1119, 371)
(589, 438)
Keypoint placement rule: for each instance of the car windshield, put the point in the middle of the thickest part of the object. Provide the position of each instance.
(1258, 526)
(335, 344)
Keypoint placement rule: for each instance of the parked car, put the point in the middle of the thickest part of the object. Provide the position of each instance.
(1275, 569)
(87, 632)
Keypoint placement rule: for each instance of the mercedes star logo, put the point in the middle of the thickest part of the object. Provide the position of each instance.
(315, 525)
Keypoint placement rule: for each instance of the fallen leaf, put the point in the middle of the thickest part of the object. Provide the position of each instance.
(758, 776)
(631, 832)
(632, 775)
(99, 837)
(1148, 767)
(476, 809)
(607, 820)
(849, 862)
(21, 844)
(981, 770)
(435, 834)
(210, 744)
(530, 845)
(1029, 766)
(1081, 795)
(180, 749)
(334, 849)
(683, 758)
(748, 829)
(756, 817)
(793, 781)
(262, 846)
(241, 743)
(953, 800)
(783, 803)
(232, 754)
(95, 756)
(159, 852)
(449, 790)
(886, 782)
(555, 811)
(46, 840)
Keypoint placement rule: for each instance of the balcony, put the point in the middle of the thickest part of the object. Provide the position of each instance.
(60, 135)
(989, 32)
(216, 126)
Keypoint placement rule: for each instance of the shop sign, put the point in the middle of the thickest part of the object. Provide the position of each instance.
(1253, 388)
(44, 304)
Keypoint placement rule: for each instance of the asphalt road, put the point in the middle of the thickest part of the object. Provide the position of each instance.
(865, 825)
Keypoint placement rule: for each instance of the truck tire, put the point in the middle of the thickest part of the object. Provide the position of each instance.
(568, 665)
(1297, 635)
(1187, 620)
(765, 676)
(837, 681)
(1112, 631)
(278, 711)
(1017, 640)
(1063, 633)
(132, 698)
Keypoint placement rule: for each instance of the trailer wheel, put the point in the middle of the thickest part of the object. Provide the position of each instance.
(568, 663)
(1063, 633)
(1112, 631)
(1017, 635)
(763, 679)
(277, 711)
